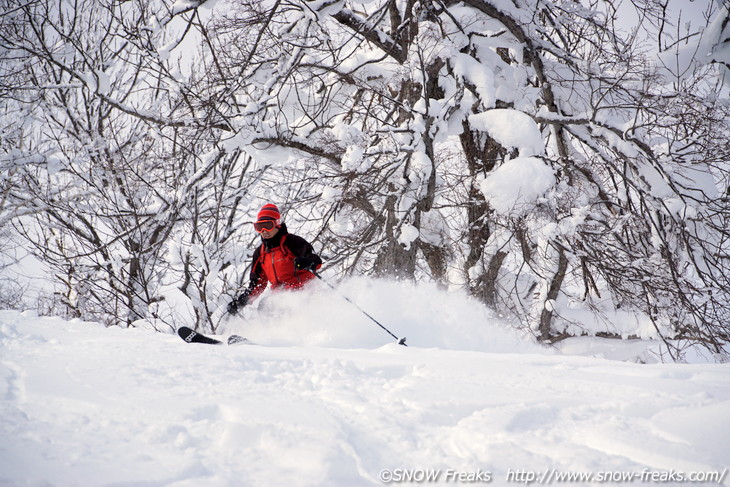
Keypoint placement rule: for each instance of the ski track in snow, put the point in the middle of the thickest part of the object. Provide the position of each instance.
(92, 406)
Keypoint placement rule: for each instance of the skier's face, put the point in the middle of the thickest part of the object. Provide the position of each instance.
(266, 227)
(267, 234)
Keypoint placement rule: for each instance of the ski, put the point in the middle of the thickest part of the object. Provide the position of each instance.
(192, 336)
(236, 339)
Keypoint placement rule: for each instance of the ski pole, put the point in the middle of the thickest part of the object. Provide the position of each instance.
(401, 341)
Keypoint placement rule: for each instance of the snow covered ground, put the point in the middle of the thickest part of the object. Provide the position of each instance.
(326, 399)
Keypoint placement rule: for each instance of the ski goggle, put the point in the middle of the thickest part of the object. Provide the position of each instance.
(264, 225)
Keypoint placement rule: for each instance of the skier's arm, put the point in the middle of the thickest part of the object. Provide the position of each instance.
(256, 285)
(304, 256)
(257, 282)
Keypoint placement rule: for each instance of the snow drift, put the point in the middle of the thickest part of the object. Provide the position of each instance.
(425, 314)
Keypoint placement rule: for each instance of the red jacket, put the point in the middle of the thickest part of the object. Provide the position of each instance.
(273, 263)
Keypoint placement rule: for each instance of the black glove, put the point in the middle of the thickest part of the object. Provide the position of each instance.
(307, 263)
(239, 302)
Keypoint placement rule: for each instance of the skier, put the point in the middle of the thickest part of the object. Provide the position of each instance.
(285, 260)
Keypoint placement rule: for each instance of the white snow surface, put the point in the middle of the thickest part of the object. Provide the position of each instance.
(326, 398)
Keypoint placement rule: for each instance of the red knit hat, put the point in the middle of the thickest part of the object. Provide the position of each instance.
(269, 212)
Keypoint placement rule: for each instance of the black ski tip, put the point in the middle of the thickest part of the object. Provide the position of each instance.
(192, 336)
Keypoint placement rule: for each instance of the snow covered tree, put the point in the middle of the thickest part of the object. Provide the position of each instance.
(534, 152)
(112, 143)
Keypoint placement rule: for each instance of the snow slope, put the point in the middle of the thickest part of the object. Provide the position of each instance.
(85, 405)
